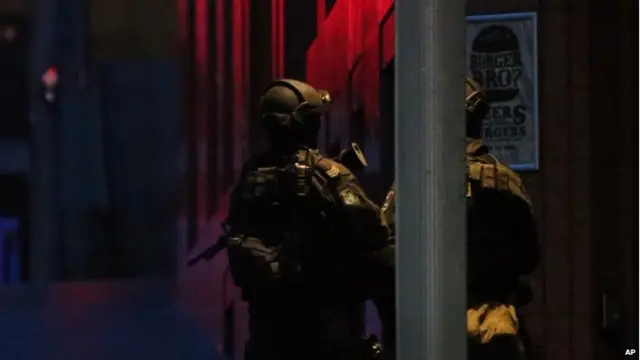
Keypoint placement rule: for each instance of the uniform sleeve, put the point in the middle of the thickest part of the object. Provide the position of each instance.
(374, 263)
(360, 217)
(367, 228)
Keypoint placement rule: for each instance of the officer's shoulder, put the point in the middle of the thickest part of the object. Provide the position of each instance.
(492, 174)
(332, 168)
(486, 164)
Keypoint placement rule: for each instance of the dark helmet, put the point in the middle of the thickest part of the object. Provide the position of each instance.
(476, 108)
(291, 111)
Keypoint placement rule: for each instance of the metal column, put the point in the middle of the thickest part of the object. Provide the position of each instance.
(431, 290)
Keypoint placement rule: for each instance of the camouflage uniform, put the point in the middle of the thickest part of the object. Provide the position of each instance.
(308, 248)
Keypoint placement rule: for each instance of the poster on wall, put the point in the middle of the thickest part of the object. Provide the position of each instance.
(502, 55)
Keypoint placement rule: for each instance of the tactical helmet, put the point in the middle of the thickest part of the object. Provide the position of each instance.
(292, 110)
(476, 108)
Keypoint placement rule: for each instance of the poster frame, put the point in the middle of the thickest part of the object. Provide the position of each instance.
(523, 16)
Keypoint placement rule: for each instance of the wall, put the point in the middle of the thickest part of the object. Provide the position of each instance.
(356, 42)
(215, 59)
(613, 159)
(141, 29)
(222, 76)
(104, 167)
(230, 51)
(352, 35)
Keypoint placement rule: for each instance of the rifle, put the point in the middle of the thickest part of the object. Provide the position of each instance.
(352, 157)
(224, 241)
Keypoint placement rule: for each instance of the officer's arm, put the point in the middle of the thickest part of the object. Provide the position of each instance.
(377, 254)
(527, 245)
(361, 218)
(513, 211)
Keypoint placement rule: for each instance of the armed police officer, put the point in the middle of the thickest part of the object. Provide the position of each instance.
(502, 244)
(305, 244)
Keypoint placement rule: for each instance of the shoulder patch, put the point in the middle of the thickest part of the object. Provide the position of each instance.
(331, 168)
(348, 197)
(333, 171)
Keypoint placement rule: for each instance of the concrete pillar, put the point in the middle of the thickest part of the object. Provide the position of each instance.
(431, 289)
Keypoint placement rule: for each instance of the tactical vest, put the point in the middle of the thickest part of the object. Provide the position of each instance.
(284, 207)
(485, 170)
